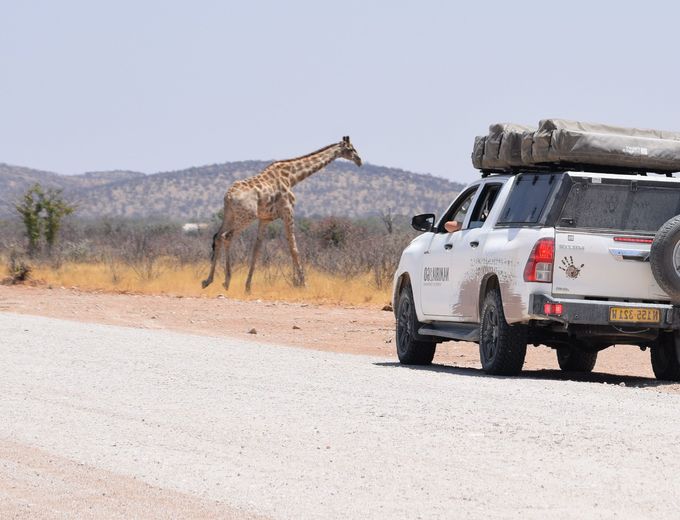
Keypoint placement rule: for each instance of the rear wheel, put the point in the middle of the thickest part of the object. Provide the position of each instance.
(502, 348)
(411, 348)
(575, 359)
(665, 354)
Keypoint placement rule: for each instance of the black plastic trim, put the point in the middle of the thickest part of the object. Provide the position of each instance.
(597, 313)
(447, 330)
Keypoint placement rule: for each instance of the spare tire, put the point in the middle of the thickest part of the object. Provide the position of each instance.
(664, 258)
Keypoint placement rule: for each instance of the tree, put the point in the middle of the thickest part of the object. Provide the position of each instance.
(42, 213)
(388, 220)
(55, 209)
(29, 208)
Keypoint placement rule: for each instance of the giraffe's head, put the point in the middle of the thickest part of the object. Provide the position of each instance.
(348, 152)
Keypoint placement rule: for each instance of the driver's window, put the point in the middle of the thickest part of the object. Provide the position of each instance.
(484, 204)
(459, 211)
(462, 212)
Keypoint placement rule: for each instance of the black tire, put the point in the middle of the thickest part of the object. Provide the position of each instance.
(665, 260)
(665, 354)
(411, 348)
(575, 359)
(502, 348)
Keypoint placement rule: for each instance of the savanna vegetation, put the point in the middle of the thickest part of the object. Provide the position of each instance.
(346, 261)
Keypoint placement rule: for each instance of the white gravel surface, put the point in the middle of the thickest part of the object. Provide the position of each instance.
(302, 434)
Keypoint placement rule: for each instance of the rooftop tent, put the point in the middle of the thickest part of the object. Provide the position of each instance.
(575, 145)
(501, 148)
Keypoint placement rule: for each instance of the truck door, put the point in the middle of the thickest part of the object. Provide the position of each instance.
(439, 258)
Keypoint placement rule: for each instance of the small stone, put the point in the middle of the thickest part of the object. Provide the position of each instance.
(252, 331)
(388, 308)
(622, 383)
(220, 296)
(295, 327)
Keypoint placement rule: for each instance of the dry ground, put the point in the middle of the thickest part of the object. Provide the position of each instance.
(355, 330)
(37, 483)
(127, 413)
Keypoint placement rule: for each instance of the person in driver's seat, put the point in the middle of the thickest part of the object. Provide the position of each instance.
(452, 226)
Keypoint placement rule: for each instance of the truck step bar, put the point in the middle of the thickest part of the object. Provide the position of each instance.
(455, 331)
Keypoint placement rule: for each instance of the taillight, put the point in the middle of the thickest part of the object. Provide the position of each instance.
(539, 267)
(552, 308)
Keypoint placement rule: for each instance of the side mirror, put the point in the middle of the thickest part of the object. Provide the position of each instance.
(424, 222)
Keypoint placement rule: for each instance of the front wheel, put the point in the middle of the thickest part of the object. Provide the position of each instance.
(502, 348)
(665, 354)
(410, 349)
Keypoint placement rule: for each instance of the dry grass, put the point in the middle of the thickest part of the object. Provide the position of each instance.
(169, 278)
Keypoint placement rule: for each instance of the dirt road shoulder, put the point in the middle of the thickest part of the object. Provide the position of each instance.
(352, 330)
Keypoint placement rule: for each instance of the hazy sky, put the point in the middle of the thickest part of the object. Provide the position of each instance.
(162, 85)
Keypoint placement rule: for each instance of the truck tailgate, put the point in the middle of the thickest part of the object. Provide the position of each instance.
(606, 266)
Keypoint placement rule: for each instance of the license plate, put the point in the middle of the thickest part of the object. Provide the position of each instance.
(634, 315)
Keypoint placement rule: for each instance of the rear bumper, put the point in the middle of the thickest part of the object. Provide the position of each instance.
(593, 312)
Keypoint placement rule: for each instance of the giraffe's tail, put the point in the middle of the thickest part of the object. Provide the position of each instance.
(226, 235)
(212, 253)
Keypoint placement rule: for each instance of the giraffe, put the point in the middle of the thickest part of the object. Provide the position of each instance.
(266, 197)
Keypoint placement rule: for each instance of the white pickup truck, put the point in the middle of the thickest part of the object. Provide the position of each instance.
(576, 261)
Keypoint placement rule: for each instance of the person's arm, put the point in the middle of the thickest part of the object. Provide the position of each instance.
(452, 226)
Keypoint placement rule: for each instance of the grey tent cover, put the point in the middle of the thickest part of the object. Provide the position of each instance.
(577, 145)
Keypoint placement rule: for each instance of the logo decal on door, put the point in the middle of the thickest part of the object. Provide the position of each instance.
(436, 274)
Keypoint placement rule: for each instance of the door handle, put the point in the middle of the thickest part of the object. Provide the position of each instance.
(474, 243)
(448, 246)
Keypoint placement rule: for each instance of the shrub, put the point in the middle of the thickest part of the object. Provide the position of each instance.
(19, 270)
(332, 231)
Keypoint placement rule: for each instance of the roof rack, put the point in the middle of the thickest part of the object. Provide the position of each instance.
(559, 167)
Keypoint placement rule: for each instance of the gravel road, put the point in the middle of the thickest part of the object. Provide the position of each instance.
(290, 433)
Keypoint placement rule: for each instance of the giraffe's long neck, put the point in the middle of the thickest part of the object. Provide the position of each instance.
(303, 167)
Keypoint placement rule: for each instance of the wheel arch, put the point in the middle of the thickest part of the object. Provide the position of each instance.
(490, 281)
(404, 278)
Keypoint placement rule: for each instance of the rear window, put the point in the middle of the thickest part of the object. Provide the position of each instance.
(622, 206)
(529, 198)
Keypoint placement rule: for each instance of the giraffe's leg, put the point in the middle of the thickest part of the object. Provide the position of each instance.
(298, 275)
(217, 244)
(261, 227)
(228, 236)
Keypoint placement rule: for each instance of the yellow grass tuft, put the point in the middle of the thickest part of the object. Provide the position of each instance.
(269, 283)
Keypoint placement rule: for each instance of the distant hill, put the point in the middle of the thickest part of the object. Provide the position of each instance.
(197, 193)
(100, 178)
